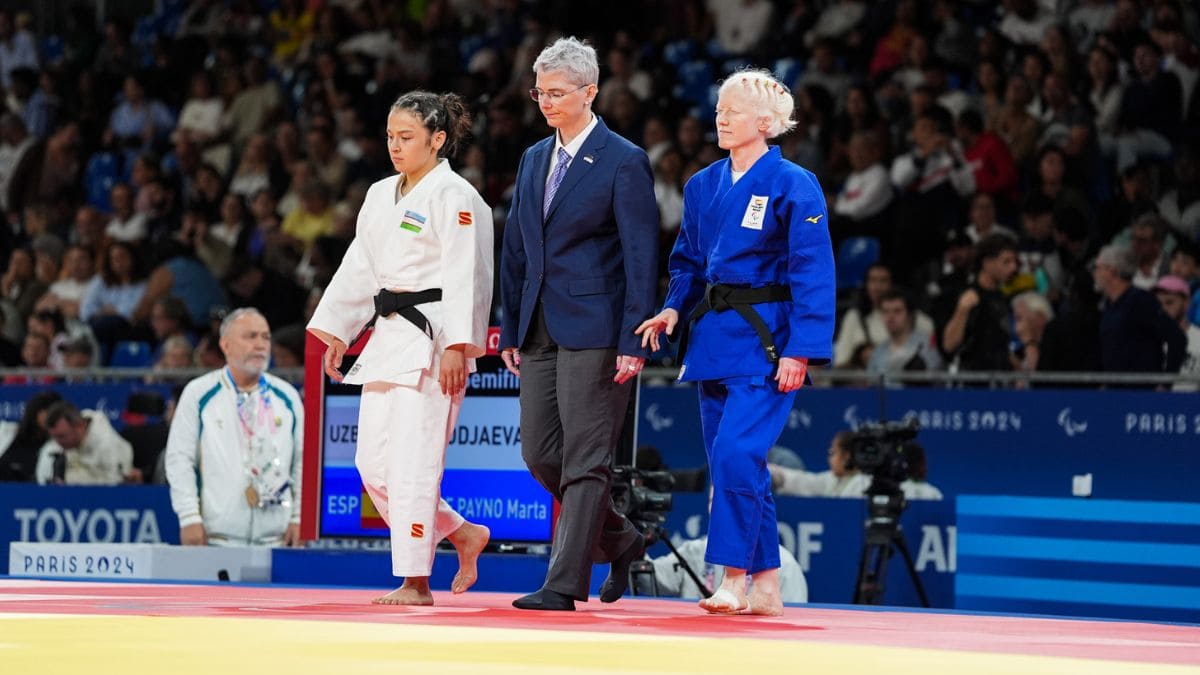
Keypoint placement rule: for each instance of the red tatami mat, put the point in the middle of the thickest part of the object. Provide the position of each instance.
(1106, 640)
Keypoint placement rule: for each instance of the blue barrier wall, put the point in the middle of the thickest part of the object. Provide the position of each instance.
(127, 514)
(1133, 560)
(1137, 445)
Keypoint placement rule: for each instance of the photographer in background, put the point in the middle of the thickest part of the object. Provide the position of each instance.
(673, 580)
(84, 449)
(841, 480)
(844, 479)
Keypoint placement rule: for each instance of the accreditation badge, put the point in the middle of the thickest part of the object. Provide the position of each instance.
(756, 211)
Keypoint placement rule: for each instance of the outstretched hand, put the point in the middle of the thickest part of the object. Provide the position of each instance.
(663, 322)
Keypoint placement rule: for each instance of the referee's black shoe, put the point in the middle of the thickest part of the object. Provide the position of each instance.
(618, 574)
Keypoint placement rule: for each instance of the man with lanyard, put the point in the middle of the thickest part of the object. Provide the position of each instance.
(233, 455)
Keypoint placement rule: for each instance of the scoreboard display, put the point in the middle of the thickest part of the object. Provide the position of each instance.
(485, 478)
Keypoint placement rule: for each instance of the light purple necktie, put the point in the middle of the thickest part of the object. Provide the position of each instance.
(556, 178)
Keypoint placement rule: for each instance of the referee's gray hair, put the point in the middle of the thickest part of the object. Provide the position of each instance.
(237, 314)
(569, 55)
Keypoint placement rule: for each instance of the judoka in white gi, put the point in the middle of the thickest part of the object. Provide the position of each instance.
(423, 243)
(752, 269)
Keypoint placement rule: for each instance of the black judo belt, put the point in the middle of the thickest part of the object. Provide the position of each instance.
(720, 297)
(388, 303)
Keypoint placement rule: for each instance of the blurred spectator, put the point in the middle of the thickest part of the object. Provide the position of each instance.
(825, 72)
(1174, 295)
(1013, 123)
(15, 141)
(1031, 313)
(955, 276)
(276, 296)
(933, 179)
(739, 25)
(287, 347)
(1135, 198)
(1053, 181)
(860, 207)
(255, 105)
(169, 318)
(1150, 109)
(990, 160)
(21, 441)
(18, 49)
(35, 352)
(1089, 18)
(863, 323)
(313, 218)
(981, 220)
(839, 481)
(113, 295)
(72, 285)
(1185, 264)
(1104, 95)
(176, 353)
(1136, 335)
(1024, 21)
(1039, 266)
(331, 167)
(126, 224)
(1148, 238)
(138, 123)
(254, 170)
(84, 449)
(1180, 206)
(210, 249)
(208, 352)
(905, 349)
(77, 352)
(200, 118)
(989, 81)
(976, 336)
(49, 174)
(19, 285)
(182, 276)
(836, 21)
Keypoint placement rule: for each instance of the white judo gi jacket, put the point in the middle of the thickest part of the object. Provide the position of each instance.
(439, 235)
(205, 460)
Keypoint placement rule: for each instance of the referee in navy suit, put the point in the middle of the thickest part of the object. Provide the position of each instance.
(578, 274)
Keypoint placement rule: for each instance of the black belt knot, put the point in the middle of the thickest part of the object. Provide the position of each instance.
(722, 297)
(404, 304)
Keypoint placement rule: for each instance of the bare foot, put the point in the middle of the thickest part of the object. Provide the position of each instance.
(406, 595)
(763, 604)
(469, 541)
(724, 601)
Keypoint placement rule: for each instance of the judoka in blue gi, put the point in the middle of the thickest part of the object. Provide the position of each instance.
(752, 270)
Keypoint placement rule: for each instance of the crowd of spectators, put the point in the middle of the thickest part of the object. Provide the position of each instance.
(157, 170)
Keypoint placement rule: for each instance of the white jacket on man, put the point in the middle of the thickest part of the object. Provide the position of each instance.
(102, 459)
(205, 461)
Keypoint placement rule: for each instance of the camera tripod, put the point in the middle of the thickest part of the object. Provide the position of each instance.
(881, 536)
(645, 569)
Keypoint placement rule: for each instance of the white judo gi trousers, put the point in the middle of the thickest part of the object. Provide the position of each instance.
(403, 432)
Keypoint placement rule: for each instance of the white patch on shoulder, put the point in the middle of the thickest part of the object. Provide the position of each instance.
(756, 211)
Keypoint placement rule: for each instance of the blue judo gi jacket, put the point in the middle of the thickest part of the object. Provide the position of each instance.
(770, 228)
